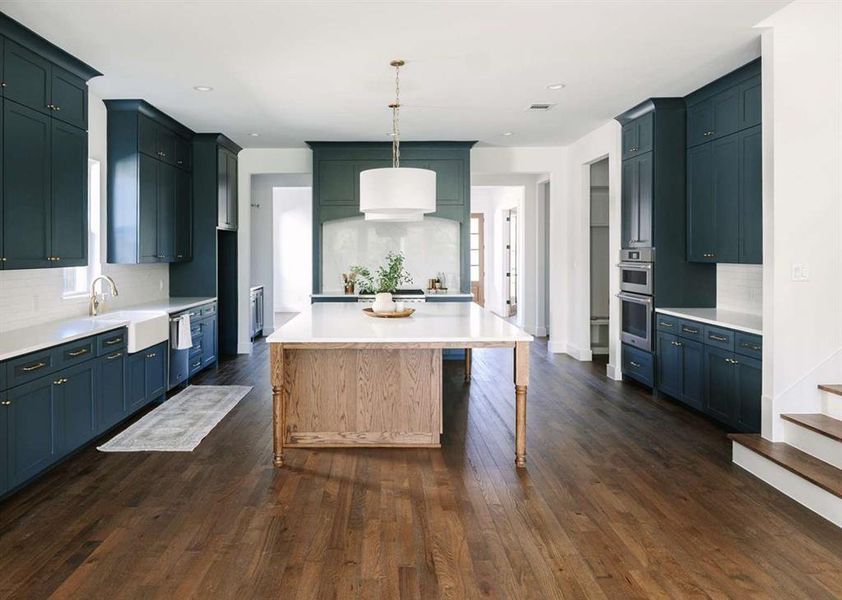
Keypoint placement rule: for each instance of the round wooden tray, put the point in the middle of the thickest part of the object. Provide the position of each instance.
(392, 315)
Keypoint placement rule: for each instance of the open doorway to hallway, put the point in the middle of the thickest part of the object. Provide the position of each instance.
(600, 263)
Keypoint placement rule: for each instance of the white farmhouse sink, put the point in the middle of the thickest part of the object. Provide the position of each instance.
(146, 327)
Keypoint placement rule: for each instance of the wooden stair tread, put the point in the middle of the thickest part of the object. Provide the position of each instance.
(823, 424)
(833, 389)
(826, 476)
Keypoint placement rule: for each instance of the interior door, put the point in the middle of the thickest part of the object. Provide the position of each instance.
(512, 253)
(478, 258)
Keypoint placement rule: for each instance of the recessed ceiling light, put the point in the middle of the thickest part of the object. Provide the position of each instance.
(507, 133)
(556, 86)
(254, 134)
(203, 88)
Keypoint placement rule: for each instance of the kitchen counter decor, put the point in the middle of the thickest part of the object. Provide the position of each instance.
(395, 314)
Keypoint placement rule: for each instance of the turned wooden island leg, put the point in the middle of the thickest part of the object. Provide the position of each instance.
(521, 376)
(278, 422)
(468, 358)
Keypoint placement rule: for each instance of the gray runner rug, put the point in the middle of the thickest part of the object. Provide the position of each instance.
(180, 423)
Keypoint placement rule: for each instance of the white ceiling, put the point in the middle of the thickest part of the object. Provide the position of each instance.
(296, 71)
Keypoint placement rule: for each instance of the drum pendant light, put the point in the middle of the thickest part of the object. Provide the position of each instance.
(397, 193)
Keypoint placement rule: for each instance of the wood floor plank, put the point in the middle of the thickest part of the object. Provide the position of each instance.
(625, 494)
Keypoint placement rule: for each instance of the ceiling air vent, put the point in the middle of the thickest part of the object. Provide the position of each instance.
(540, 106)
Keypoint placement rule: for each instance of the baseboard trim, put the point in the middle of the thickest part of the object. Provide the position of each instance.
(541, 332)
(613, 372)
(557, 347)
(802, 491)
(244, 347)
(579, 353)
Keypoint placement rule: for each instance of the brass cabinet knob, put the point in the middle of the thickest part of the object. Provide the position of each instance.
(6, 403)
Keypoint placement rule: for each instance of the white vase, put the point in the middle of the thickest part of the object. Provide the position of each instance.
(383, 303)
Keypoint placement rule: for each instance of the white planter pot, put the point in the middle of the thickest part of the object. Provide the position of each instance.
(383, 303)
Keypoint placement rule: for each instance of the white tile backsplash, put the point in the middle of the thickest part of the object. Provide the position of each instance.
(31, 297)
(430, 246)
(740, 288)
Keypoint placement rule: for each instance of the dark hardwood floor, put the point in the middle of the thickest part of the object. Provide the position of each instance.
(625, 495)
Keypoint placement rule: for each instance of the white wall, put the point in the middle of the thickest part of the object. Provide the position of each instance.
(257, 161)
(292, 224)
(802, 202)
(34, 296)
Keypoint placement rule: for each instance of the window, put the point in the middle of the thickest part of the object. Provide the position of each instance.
(76, 279)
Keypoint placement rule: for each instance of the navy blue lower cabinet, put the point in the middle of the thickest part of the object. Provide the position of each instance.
(692, 373)
(32, 427)
(209, 341)
(136, 381)
(155, 371)
(669, 366)
(74, 396)
(720, 383)
(111, 389)
(748, 393)
(638, 364)
(4, 450)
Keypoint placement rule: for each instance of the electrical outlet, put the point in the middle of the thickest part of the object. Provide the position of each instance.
(800, 272)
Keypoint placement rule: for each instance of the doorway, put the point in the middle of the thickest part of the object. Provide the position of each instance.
(600, 264)
(511, 262)
(478, 258)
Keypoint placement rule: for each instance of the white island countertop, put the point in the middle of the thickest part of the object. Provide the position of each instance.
(438, 322)
(746, 322)
(343, 295)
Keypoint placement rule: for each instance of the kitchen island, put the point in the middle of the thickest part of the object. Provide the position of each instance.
(341, 378)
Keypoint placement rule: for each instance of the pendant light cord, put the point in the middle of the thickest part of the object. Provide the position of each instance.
(396, 132)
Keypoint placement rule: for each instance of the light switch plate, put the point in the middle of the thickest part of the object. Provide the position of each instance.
(800, 272)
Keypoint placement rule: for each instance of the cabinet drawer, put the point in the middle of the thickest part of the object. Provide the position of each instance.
(721, 338)
(748, 344)
(195, 364)
(209, 309)
(32, 366)
(112, 341)
(77, 352)
(638, 365)
(691, 330)
(666, 323)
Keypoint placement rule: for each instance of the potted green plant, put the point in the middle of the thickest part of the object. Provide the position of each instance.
(387, 280)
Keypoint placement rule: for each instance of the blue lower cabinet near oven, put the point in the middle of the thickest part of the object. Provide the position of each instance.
(713, 369)
(75, 397)
(638, 364)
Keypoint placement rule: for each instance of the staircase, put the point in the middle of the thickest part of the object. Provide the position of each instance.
(807, 466)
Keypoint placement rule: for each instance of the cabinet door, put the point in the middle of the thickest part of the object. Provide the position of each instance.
(720, 381)
(136, 381)
(76, 400)
(629, 139)
(147, 135)
(338, 181)
(692, 373)
(701, 210)
(26, 188)
(166, 212)
(629, 203)
(726, 191)
(111, 389)
(748, 394)
(27, 77)
(69, 192)
(183, 153)
(209, 341)
(165, 141)
(669, 364)
(726, 112)
(449, 180)
(4, 446)
(222, 188)
(183, 216)
(645, 133)
(750, 102)
(2, 186)
(156, 371)
(699, 122)
(645, 215)
(32, 429)
(232, 191)
(69, 97)
(148, 209)
(751, 196)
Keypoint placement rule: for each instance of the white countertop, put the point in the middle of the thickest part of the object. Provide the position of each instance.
(367, 296)
(747, 322)
(339, 322)
(31, 339)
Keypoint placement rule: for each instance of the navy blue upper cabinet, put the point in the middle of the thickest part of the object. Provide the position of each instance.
(227, 188)
(724, 170)
(637, 191)
(449, 180)
(149, 191)
(69, 193)
(27, 77)
(26, 188)
(69, 98)
(638, 136)
(338, 180)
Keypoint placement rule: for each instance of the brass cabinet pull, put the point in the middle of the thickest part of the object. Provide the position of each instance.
(6, 403)
(665, 324)
(676, 343)
(60, 381)
(689, 330)
(78, 352)
(634, 364)
(750, 347)
(718, 338)
(153, 355)
(113, 356)
(113, 341)
(34, 367)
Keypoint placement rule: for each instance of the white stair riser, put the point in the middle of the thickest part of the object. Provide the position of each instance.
(802, 491)
(832, 405)
(814, 444)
